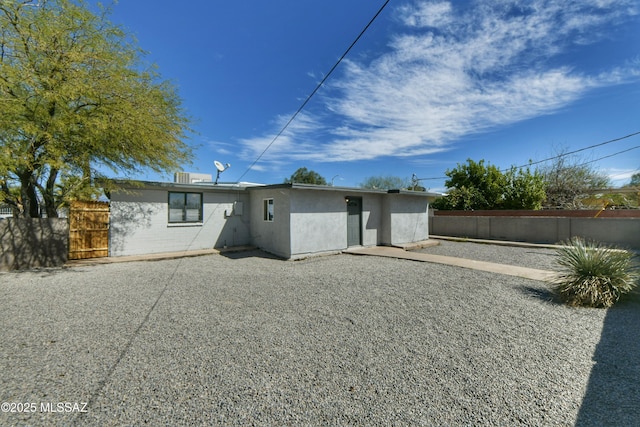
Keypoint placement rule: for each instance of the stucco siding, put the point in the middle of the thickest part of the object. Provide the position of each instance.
(408, 218)
(139, 223)
(271, 236)
(302, 219)
(372, 220)
(318, 222)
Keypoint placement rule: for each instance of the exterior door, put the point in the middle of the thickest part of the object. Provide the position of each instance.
(354, 221)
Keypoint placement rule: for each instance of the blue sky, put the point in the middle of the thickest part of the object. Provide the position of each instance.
(430, 84)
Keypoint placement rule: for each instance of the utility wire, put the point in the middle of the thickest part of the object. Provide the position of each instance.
(563, 155)
(610, 155)
(306, 101)
(583, 149)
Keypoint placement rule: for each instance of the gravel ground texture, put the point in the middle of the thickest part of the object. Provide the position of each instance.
(532, 257)
(247, 339)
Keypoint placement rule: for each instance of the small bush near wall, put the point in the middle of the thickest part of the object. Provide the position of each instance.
(33, 242)
(594, 275)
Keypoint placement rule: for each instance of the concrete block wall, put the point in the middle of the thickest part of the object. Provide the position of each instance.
(624, 232)
(33, 242)
(139, 223)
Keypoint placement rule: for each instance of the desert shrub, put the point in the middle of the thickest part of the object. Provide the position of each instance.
(594, 275)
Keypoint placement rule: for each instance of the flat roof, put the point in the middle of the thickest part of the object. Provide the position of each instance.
(300, 186)
(221, 186)
(235, 186)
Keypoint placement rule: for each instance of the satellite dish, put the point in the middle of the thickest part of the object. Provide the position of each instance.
(221, 168)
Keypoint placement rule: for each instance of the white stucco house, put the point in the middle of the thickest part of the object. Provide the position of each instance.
(288, 220)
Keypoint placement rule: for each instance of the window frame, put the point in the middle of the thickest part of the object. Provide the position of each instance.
(268, 210)
(185, 207)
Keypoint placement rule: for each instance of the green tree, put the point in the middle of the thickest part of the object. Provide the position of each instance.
(473, 185)
(386, 183)
(76, 98)
(524, 190)
(305, 176)
(635, 180)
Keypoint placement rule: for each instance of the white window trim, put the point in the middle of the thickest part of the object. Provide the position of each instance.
(265, 210)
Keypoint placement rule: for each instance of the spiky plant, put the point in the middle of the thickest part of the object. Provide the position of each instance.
(594, 275)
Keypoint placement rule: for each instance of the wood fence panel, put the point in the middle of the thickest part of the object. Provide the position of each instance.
(88, 230)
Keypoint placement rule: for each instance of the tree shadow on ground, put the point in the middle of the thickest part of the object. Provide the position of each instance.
(613, 392)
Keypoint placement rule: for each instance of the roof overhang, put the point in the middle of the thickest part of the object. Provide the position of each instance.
(210, 186)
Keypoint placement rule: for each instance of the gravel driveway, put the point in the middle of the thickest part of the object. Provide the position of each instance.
(335, 340)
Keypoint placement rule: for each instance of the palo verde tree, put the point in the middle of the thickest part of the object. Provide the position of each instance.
(75, 97)
(306, 176)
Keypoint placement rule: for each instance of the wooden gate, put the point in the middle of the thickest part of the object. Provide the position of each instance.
(88, 230)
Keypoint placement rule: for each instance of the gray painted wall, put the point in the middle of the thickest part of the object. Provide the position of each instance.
(33, 242)
(314, 221)
(139, 223)
(373, 219)
(616, 231)
(271, 236)
(318, 221)
(408, 219)
(306, 220)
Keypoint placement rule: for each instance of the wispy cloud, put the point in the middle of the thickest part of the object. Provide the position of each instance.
(620, 176)
(296, 142)
(452, 72)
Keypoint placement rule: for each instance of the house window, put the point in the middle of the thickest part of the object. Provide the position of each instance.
(268, 209)
(185, 207)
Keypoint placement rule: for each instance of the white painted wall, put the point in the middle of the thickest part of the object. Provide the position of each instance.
(139, 222)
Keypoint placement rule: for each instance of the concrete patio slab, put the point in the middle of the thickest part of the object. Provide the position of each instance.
(511, 270)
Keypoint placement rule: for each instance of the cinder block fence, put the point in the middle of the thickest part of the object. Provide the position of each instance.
(33, 242)
(621, 228)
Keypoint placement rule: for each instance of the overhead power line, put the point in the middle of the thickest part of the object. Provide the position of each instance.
(564, 155)
(306, 101)
(582, 149)
(610, 155)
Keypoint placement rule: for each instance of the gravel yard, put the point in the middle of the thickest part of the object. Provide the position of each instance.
(335, 340)
(533, 257)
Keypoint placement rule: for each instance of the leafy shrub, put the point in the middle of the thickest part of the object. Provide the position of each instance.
(594, 275)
